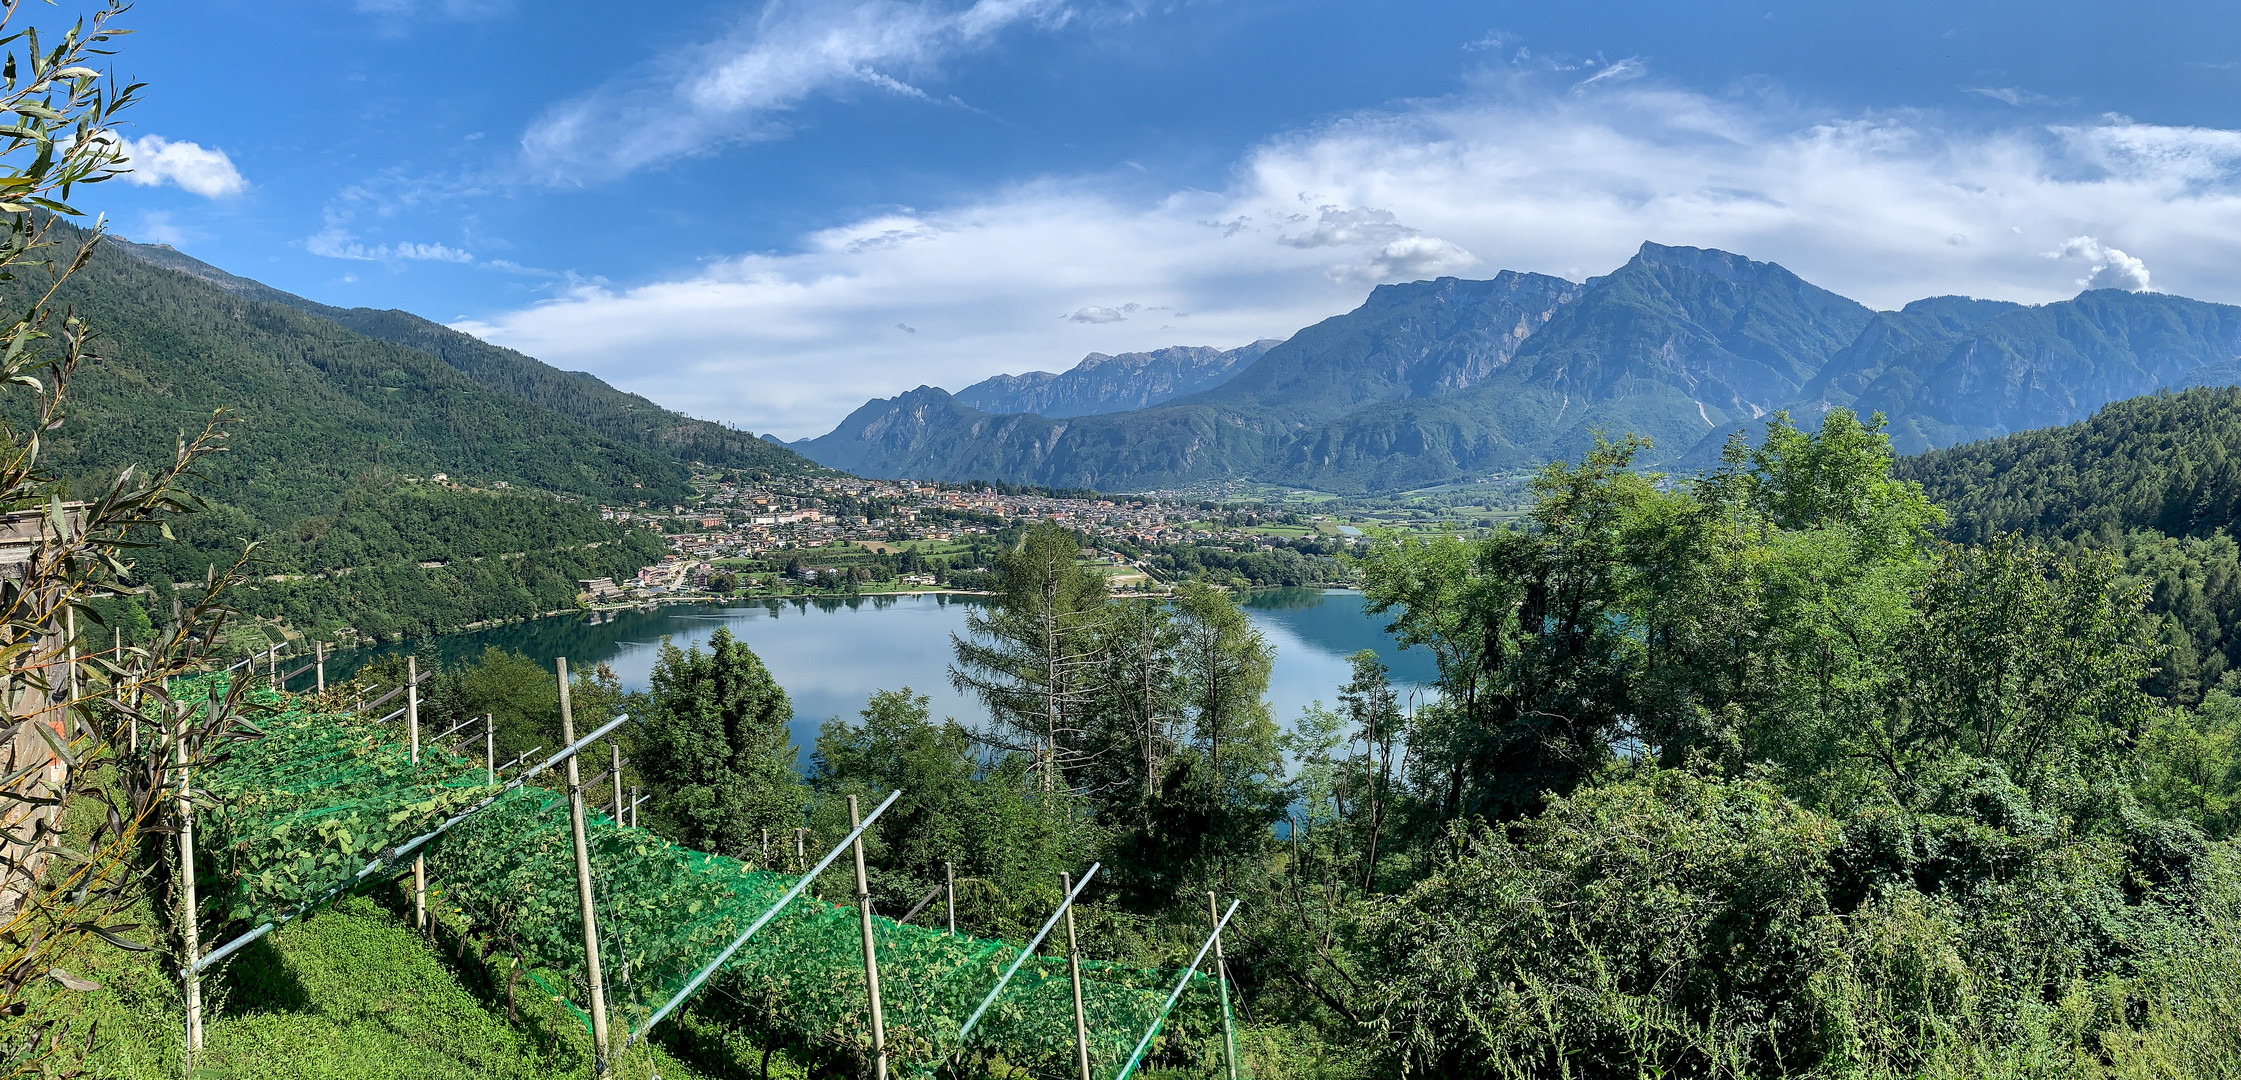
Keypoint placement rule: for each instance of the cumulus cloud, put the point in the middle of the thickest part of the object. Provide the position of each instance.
(1100, 315)
(1520, 174)
(740, 88)
(1361, 225)
(2111, 268)
(1411, 257)
(155, 160)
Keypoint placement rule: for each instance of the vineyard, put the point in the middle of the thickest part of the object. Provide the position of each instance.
(307, 804)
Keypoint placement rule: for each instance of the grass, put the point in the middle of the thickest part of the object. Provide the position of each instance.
(348, 992)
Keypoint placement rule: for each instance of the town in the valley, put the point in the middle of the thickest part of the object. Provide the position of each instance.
(797, 535)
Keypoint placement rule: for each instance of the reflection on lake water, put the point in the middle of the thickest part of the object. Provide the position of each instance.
(831, 654)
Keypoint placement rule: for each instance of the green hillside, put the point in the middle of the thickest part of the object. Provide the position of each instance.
(330, 430)
(2168, 462)
(316, 406)
(625, 418)
(2154, 480)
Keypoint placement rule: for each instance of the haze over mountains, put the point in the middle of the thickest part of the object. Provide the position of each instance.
(1435, 381)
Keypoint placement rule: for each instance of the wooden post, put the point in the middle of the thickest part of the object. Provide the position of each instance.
(70, 657)
(272, 667)
(412, 728)
(583, 880)
(949, 882)
(187, 906)
(871, 955)
(1074, 972)
(1221, 974)
(489, 749)
(635, 799)
(614, 752)
(800, 860)
(321, 661)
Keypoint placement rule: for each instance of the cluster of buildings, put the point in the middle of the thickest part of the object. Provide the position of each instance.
(733, 519)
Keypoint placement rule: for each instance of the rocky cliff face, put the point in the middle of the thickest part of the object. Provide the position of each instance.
(1108, 384)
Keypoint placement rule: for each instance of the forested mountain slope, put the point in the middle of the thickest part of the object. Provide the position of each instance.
(623, 417)
(1106, 384)
(326, 427)
(2154, 481)
(315, 406)
(2169, 462)
(1438, 380)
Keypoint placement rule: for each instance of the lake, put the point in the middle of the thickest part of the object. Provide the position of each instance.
(830, 654)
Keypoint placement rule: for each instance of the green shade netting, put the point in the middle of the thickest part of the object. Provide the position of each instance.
(296, 808)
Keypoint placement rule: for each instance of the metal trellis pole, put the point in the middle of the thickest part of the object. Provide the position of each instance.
(1145, 1043)
(763, 919)
(985, 1002)
(1074, 974)
(1221, 975)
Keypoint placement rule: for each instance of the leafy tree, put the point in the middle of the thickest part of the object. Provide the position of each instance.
(2190, 765)
(960, 806)
(714, 748)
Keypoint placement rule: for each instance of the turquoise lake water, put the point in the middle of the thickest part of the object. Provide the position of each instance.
(831, 654)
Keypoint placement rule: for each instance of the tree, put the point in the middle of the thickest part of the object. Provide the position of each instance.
(715, 748)
(1220, 792)
(959, 805)
(1030, 656)
(1373, 715)
(1138, 702)
(1223, 663)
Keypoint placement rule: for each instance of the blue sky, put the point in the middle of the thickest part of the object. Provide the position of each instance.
(765, 214)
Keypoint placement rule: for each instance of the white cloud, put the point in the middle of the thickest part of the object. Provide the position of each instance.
(1412, 258)
(737, 89)
(1521, 174)
(155, 160)
(1100, 315)
(2011, 95)
(2112, 269)
(336, 244)
(1618, 71)
(1338, 225)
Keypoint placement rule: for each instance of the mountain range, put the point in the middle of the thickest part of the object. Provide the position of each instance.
(1445, 380)
(1107, 384)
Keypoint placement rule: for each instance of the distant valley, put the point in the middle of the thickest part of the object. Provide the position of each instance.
(1438, 381)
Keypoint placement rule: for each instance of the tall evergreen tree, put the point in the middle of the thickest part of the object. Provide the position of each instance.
(1031, 657)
